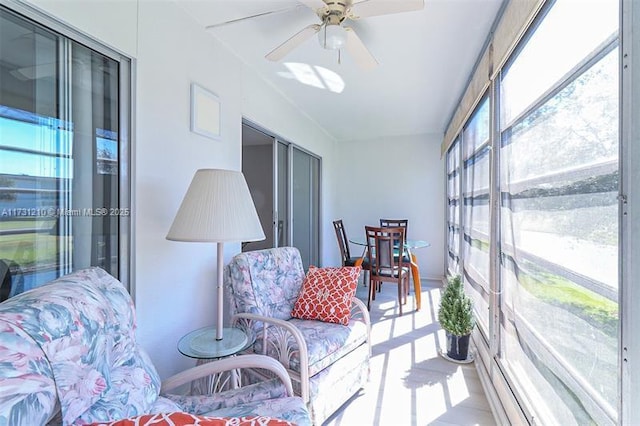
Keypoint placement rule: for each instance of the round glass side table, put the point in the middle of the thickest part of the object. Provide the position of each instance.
(202, 345)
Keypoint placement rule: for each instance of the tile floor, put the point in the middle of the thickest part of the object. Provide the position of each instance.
(410, 383)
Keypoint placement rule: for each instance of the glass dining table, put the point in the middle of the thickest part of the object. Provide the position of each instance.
(409, 246)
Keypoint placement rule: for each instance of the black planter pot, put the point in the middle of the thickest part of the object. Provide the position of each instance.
(457, 346)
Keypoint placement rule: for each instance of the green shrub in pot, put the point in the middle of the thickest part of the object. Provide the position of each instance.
(456, 318)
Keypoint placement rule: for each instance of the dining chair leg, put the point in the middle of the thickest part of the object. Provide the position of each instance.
(406, 290)
(372, 285)
(366, 271)
(400, 291)
(370, 296)
(359, 263)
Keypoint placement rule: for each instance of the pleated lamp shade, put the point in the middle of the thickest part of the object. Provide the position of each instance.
(217, 208)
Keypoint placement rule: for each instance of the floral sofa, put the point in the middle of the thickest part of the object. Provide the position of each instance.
(68, 355)
(328, 362)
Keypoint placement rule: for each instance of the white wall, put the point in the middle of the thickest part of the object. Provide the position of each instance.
(174, 282)
(370, 187)
(97, 19)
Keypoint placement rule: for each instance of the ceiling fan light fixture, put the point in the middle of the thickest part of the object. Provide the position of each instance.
(332, 36)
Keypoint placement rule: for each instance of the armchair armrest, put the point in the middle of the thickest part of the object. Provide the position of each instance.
(359, 311)
(227, 364)
(280, 331)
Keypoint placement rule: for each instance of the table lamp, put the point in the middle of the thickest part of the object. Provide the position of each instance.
(217, 208)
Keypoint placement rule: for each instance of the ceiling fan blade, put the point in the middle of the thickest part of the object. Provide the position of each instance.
(257, 15)
(314, 4)
(369, 8)
(359, 51)
(295, 41)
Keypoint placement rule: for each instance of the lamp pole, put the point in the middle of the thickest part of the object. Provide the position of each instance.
(220, 255)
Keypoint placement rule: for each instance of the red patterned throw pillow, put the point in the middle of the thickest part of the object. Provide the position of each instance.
(326, 294)
(186, 419)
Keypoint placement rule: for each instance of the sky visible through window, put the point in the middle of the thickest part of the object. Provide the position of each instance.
(538, 67)
(33, 145)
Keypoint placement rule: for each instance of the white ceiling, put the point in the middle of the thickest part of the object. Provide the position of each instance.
(425, 59)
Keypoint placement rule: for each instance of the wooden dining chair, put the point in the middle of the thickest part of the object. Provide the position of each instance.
(345, 253)
(399, 223)
(382, 244)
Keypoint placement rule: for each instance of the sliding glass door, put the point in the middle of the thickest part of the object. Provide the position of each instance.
(63, 159)
(306, 205)
(284, 181)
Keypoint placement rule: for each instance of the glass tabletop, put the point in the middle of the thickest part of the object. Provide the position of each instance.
(409, 244)
(202, 343)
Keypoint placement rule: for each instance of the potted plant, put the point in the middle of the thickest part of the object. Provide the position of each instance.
(456, 318)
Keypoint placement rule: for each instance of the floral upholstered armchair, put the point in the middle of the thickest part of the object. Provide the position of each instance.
(328, 362)
(69, 355)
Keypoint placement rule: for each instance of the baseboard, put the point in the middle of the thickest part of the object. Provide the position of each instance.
(439, 279)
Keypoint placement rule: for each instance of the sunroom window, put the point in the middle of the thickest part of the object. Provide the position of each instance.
(559, 210)
(550, 252)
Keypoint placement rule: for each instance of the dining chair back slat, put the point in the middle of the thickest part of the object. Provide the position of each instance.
(396, 223)
(383, 244)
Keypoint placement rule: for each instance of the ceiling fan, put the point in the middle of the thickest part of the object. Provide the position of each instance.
(331, 32)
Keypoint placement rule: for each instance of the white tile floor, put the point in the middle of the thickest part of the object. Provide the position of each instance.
(410, 383)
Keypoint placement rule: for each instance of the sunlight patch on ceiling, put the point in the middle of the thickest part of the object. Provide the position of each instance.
(315, 76)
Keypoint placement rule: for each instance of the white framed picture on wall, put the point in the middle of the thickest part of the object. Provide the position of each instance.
(205, 112)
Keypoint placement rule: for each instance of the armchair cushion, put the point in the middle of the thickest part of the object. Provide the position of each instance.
(184, 419)
(207, 404)
(268, 398)
(26, 378)
(266, 283)
(326, 342)
(327, 294)
(292, 409)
